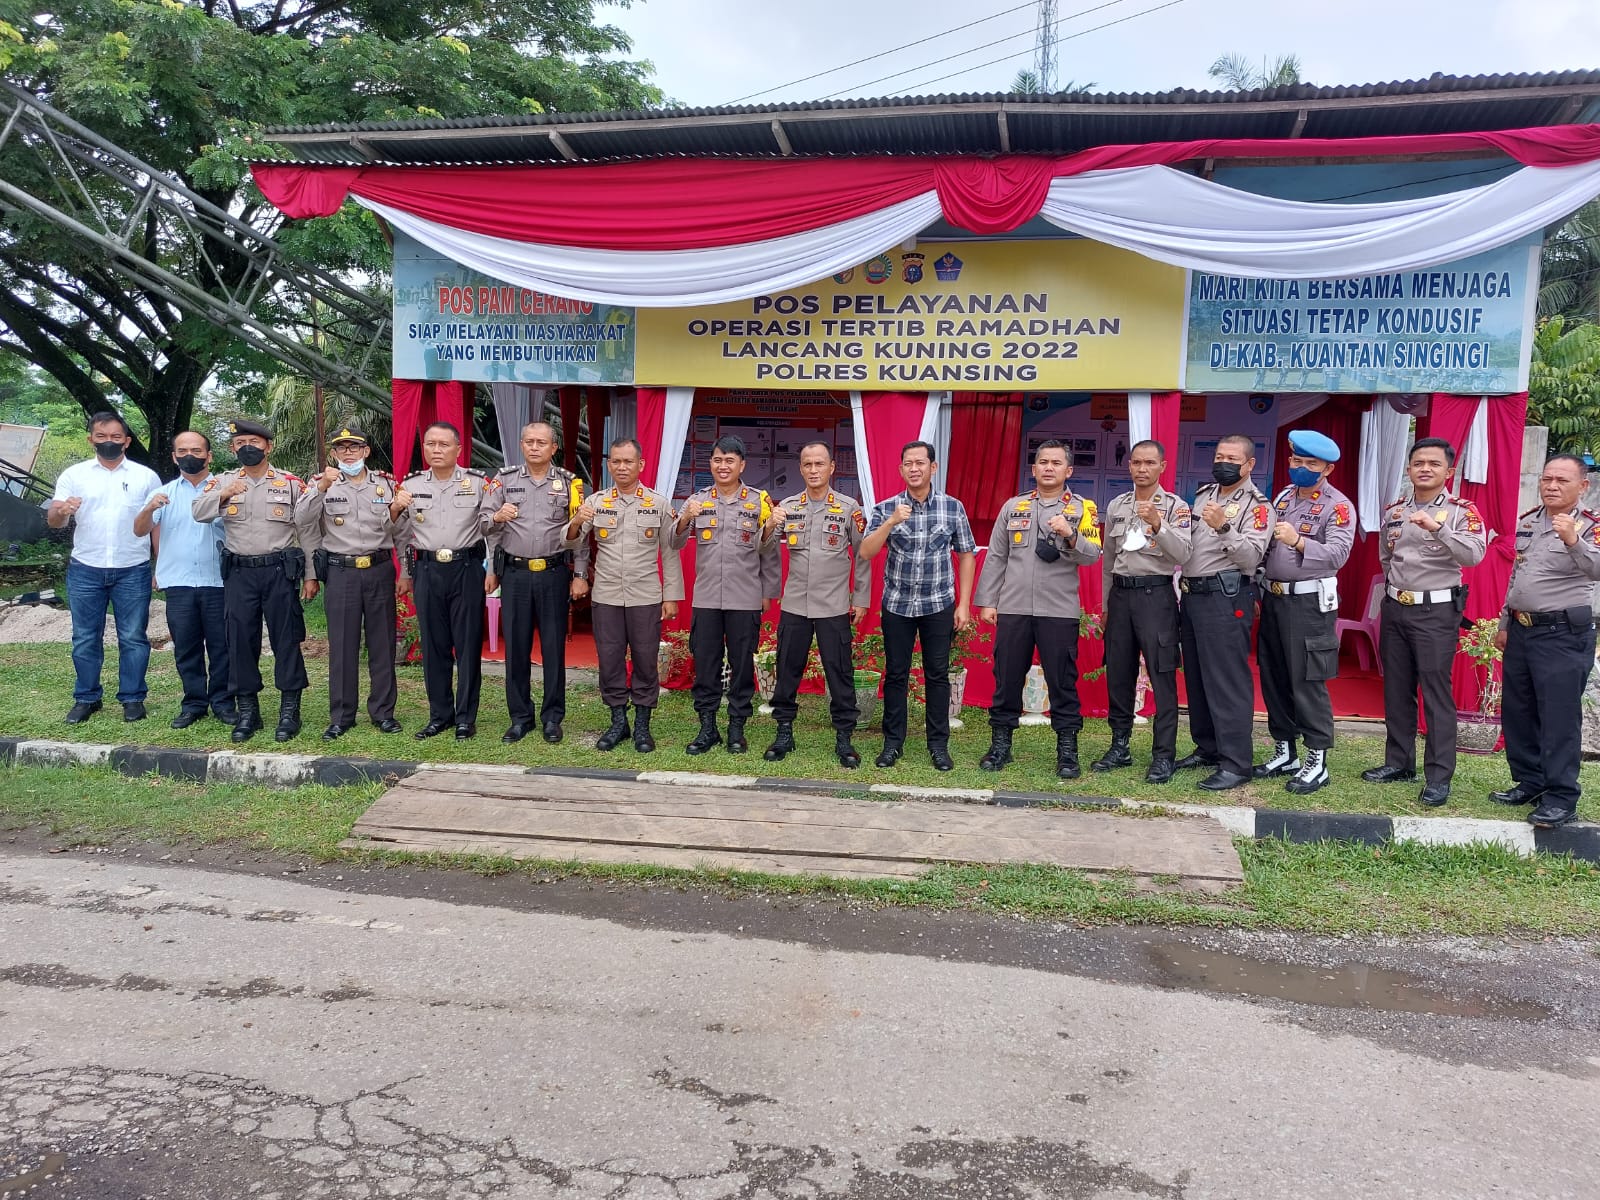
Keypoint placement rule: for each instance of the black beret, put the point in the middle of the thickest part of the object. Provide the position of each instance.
(247, 428)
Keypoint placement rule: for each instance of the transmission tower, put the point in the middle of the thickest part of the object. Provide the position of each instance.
(1044, 61)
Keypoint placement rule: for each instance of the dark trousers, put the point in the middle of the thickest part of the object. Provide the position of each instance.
(1015, 639)
(539, 600)
(1545, 669)
(1417, 643)
(249, 595)
(1215, 629)
(713, 630)
(126, 590)
(450, 621)
(195, 618)
(618, 631)
(1143, 621)
(358, 599)
(1297, 653)
(899, 635)
(833, 647)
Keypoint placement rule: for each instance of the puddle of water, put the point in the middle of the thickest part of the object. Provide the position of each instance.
(1354, 985)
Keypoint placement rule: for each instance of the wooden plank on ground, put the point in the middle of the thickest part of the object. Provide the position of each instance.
(622, 821)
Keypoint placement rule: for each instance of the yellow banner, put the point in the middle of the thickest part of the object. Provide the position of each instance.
(972, 316)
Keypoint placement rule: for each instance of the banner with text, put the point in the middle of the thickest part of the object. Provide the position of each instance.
(984, 316)
(451, 322)
(1463, 327)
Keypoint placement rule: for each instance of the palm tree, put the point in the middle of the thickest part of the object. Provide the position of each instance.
(1027, 83)
(1564, 385)
(1569, 267)
(1239, 74)
(292, 416)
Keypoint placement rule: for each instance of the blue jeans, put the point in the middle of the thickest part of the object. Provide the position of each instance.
(127, 591)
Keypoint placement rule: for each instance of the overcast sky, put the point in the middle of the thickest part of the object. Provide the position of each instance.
(714, 52)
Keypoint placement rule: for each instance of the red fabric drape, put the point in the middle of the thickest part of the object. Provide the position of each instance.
(650, 407)
(985, 446)
(1164, 408)
(420, 402)
(406, 411)
(598, 404)
(1449, 417)
(677, 204)
(1340, 419)
(568, 399)
(890, 420)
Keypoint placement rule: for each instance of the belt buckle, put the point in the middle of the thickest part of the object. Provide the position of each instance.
(363, 561)
(1525, 620)
(1183, 584)
(1277, 588)
(444, 556)
(536, 564)
(1407, 597)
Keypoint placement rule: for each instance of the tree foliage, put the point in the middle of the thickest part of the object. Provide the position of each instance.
(1564, 385)
(188, 87)
(1569, 268)
(1237, 73)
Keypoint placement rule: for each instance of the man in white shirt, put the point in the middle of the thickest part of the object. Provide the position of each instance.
(110, 565)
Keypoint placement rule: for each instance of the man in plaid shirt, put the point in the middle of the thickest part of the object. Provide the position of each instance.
(922, 529)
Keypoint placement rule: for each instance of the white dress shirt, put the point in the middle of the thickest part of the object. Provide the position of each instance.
(112, 497)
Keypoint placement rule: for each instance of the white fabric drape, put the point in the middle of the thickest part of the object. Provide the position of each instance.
(1140, 420)
(675, 278)
(1474, 461)
(674, 433)
(929, 432)
(1190, 222)
(858, 430)
(514, 406)
(1384, 441)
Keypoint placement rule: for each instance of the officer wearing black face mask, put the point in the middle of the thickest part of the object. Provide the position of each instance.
(1232, 525)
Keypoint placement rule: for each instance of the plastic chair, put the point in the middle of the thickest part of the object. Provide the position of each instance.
(494, 623)
(1367, 627)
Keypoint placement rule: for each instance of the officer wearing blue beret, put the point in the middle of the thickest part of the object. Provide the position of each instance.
(1297, 648)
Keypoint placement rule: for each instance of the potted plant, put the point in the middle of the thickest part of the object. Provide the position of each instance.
(1479, 732)
(766, 664)
(867, 654)
(672, 658)
(962, 647)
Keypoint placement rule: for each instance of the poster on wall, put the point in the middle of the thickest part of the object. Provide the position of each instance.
(985, 316)
(451, 322)
(1462, 327)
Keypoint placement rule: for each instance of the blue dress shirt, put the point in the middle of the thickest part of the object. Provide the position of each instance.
(190, 553)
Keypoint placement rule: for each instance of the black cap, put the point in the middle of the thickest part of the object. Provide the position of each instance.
(247, 428)
(348, 433)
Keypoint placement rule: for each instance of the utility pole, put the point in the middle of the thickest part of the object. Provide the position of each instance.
(1044, 61)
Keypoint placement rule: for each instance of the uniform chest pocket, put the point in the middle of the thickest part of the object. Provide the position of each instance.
(459, 500)
(279, 506)
(605, 525)
(1118, 524)
(336, 504)
(1017, 523)
(649, 525)
(747, 523)
(705, 520)
(833, 525)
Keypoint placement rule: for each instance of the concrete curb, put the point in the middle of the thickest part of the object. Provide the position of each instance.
(1581, 840)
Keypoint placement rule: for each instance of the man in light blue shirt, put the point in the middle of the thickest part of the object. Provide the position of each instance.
(189, 568)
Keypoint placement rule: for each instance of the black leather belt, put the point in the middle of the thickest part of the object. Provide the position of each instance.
(471, 553)
(1560, 616)
(1226, 581)
(548, 563)
(259, 560)
(359, 561)
(1141, 581)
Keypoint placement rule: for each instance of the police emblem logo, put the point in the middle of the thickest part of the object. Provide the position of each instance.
(911, 267)
(948, 267)
(845, 276)
(233, 510)
(1230, 511)
(879, 269)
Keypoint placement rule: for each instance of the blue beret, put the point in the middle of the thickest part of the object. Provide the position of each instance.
(1311, 444)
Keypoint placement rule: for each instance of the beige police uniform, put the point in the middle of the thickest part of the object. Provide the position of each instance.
(636, 569)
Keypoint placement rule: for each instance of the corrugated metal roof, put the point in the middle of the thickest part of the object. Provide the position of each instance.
(969, 124)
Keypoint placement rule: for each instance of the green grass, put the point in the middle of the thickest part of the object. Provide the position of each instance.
(1331, 888)
(36, 690)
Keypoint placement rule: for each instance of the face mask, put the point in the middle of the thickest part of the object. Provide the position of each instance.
(110, 451)
(250, 456)
(352, 469)
(1304, 476)
(191, 464)
(1227, 473)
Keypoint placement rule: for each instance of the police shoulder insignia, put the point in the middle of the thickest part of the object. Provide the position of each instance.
(1181, 518)
(1261, 516)
(860, 519)
(1341, 514)
(210, 483)
(490, 485)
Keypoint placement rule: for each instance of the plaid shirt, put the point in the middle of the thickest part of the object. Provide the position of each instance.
(918, 575)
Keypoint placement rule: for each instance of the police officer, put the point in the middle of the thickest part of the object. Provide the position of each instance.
(356, 563)
(1427, 539)
(822, 529)
(1147, 538)
(1297, 649)
(1028, 590)
(541, 572)
(1217, 612)
(732, 530)
(269, 531)
(450, 519)
(1547, 633)
(638, 583)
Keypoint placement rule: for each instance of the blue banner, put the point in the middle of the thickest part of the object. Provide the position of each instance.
(1463, 327)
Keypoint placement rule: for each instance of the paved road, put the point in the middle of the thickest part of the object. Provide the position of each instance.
(219, 1031)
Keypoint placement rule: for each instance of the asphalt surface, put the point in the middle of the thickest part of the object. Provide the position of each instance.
(254, 1028)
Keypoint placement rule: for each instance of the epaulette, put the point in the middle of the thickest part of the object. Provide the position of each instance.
(798, 498)
(293, 476)
(1462, 501)
(1399, 502)
(475, 471)
(1591, 514)
(1530, 512)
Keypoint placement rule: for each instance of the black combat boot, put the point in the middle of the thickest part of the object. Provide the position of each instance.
(707, 737)
(782, 745)
(1118, 754)
(288, 717)
(1067, 754)
(736, 742)
(643, 740)
(844, 749)
(999, 749)
(249, 719)
(612, 738)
